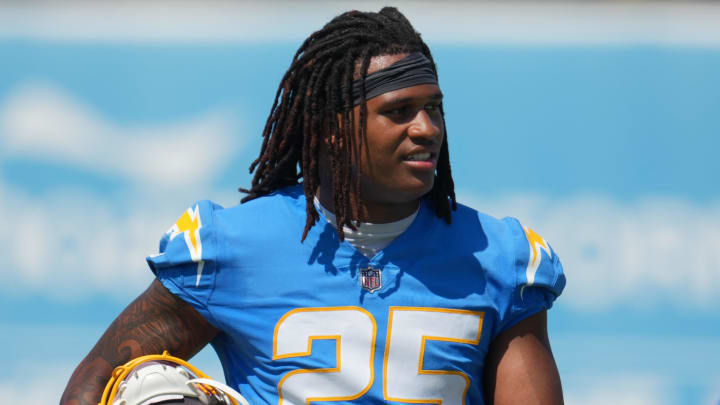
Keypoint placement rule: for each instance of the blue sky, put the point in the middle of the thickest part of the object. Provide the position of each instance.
(605, 143)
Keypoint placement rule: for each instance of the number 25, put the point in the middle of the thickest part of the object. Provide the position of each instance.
(354, 330)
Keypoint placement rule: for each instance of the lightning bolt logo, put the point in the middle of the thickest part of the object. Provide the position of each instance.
(536, 244)
(189, 225)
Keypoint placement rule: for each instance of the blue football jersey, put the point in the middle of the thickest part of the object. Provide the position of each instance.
(319, 322)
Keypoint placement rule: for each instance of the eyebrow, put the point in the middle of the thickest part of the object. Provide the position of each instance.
(396, 101)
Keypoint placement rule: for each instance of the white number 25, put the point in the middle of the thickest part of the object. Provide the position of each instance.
(354, 331)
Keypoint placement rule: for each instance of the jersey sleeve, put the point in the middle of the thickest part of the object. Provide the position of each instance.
(539, 276)
(186, 263)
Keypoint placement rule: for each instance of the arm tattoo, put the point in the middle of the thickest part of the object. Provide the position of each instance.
(157, 320)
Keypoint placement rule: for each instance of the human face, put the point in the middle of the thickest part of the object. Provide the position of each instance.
(400, 151)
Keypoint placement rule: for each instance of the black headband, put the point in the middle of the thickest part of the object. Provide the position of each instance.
(410, 71)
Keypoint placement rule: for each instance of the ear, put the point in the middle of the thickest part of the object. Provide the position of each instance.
(331, 133)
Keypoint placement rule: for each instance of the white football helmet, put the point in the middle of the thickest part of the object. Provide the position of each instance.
(164, 379)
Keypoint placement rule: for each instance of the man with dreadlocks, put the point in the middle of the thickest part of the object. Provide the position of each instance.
(350, 273)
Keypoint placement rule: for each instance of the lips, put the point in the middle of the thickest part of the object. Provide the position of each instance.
(420, 156)
(421, 160)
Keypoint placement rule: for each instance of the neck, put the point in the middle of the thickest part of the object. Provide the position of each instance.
(372, 211)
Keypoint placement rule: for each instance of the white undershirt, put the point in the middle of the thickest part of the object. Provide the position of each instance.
(369, 238)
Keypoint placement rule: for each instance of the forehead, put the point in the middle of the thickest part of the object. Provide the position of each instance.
(420, 93)
(380, 62)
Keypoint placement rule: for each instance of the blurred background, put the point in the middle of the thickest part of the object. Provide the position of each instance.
(596, 123)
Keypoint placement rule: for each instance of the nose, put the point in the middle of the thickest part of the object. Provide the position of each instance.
(423, 128)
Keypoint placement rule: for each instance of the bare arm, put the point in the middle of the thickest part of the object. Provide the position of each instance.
(520, 368)
(157, 320)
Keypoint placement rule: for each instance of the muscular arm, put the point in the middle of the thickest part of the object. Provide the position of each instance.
(520, 368)
(157, 320)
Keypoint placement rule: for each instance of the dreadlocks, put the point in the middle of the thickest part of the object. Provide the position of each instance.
(314, 104)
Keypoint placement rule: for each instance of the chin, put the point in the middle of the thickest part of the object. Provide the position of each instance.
(416, 191)
(398, 192)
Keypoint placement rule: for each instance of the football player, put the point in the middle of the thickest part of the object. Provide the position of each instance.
(349, 272)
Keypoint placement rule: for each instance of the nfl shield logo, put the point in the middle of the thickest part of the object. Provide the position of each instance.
(371, 279)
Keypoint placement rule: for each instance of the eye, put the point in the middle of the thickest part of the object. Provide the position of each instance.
(432, 107)
(399, 111)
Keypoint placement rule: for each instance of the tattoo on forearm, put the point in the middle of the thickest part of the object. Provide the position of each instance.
(155, 321)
